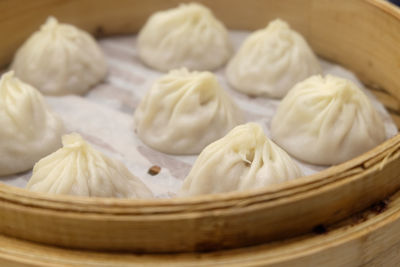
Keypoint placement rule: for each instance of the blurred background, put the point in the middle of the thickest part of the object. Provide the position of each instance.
(396, 2)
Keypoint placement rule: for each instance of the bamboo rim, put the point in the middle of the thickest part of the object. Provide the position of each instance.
(361, 232)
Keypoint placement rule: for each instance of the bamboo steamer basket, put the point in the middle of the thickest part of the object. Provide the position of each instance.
(362, 35)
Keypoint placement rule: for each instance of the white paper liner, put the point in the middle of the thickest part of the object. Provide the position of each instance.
(104, 117)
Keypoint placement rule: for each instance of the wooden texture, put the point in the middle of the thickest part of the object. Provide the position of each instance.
(361, 35)
(366, 239)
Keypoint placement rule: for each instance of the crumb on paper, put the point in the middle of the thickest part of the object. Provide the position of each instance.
(154, 170)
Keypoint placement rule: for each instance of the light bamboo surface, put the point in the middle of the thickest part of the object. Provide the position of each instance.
(366, 239)
(363, 35)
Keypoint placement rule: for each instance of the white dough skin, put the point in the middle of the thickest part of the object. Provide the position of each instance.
(78, 169)
(244, 159)
(187, 36)
(327, 121)
(271, 61)
(28, 129)
(60, 59)
(185, 111)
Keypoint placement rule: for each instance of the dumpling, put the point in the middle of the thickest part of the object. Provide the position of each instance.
(326, 120)
(78, 169)
(187, 36)
(271, 61)
(28, 129)
(185, 111)
(60, 59)
(244, 159)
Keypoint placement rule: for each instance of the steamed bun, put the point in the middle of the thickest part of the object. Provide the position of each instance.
(78, 169)
(28, 129)
(60, 59)
(244, 159)
(326, 120)
(187, 36)
(271, 61)
(185, 111)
